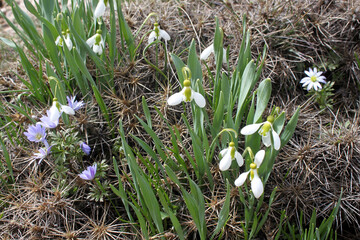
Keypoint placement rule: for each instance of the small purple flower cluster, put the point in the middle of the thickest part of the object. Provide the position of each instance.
(37, 132)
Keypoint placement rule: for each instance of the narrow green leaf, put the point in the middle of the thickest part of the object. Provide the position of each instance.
(263, 97)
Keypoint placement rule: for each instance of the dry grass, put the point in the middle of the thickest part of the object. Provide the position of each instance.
(322, 157)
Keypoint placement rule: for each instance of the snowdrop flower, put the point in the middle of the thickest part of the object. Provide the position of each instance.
(187, 95)
(210, 49)
(229, 154)
(86, 149)
(97, 42)
(313, 80)
(75, 105)
(43, 153)
(101, 8)
(89, 173)
(158, 34)
(264, 130)
(36, 133)
(53, 115)
(59, 41)
(257, 186)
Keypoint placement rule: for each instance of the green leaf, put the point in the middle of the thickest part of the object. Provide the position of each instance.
(263, 97)
(290, 128)
(8, 42)
(7, 159)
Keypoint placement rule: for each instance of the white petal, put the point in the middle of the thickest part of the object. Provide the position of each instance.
(266, 139)
(91, 41)
(307, 73)
(175, 99)
(305, 79)
(224, 151)
(152, 37)
(259, 157)
(239, 159)
(54, 114)
(199, 99)
(68, 43)
(164, 35)
(57, 41)
(310, 86)
(241, 179)
(207, 51)
(250, 129)
(224, 55)
(257, 186)
(276, 140)
(67, 110)
(225, 162)
(100, 9)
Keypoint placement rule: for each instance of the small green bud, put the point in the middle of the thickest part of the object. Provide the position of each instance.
(63, 32)
(99, 31)
(187, 83)
(270, 119)
(67, 31)
(231, 144)
(253, 165)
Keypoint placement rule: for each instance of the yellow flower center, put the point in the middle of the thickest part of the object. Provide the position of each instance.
(38, 136)
(313, 78)
(252, 174)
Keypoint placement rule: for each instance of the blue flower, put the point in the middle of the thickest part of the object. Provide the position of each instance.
(89, 173)
(86, 149)
(43, 152)
(36, 133)
(75, 105)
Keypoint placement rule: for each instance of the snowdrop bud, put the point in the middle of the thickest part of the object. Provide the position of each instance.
(59, 17)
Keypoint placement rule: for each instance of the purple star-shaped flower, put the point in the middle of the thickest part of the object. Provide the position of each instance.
(89, 173)
(36, 133)
(86, 149)
(43, 152)
(75, 105)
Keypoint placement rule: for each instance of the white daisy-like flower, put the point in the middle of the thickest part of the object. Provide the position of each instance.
(187, 95)
(158, 34)
(60, 42)
(97, 42)
(229, 154)
(101, 8)
(264, 130)
(257, 186)
(210, 49)
(313, 80)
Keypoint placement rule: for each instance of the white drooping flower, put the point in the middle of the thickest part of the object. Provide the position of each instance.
(187, 95)
(264, 130)
(60, 42)
(53, 115)
(158, 34)
(97, 42)
(257, 186)
(229, 154)
(210, 49)
(313, 80)
(101, 8)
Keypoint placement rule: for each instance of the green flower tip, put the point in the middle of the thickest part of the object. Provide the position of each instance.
(187, 83)
(232, 144)
(99, 31)
(54, 99)
(270, 119)
(252, 165)
(156, 24)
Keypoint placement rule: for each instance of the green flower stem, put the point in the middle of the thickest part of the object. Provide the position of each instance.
(152, 65)
(210, 151)
(146, 19)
